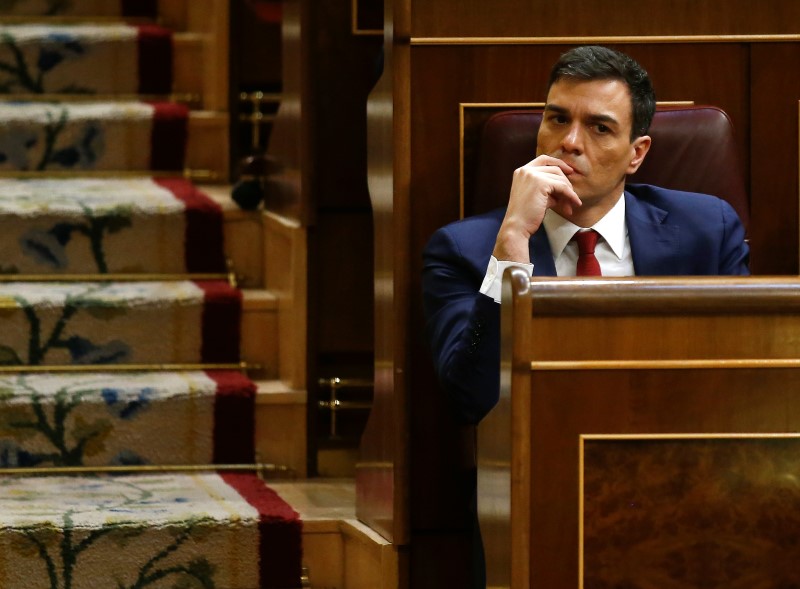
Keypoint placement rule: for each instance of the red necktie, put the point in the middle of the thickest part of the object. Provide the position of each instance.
(587, 263)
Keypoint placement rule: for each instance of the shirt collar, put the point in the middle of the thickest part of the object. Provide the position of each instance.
(611, 227)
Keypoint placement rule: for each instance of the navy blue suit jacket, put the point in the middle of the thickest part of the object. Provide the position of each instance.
(671, 234)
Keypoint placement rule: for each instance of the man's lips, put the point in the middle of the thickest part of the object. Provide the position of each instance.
(575, 169)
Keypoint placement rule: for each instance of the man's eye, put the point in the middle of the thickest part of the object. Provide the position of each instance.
(602, 129)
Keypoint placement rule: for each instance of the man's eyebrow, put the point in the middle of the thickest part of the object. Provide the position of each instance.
(556, 108)
(594, 118)
(601, 118)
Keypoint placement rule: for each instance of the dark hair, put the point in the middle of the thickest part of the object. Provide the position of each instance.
(593, 62)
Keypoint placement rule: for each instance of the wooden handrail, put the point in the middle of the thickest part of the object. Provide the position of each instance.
(660, 296)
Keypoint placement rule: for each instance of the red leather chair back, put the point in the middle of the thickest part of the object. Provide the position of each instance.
(693, 149)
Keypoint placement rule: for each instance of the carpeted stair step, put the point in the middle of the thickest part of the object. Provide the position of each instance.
(81, 8)
(85, 59)
(108, 419)
(225, 531)
(180, 322)
(92, 225)
(81, 136)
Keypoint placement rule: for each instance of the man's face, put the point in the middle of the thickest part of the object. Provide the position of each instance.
(588, 125)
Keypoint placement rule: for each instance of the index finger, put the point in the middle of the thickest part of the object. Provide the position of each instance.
(549, 160)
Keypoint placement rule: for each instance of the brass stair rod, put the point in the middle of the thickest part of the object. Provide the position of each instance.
(360, 383)
(137, 468)
(29, 369)
(182, 97)
(338, 405)
(112, 277)
(230, 276)
(334, 405)
(191, 174)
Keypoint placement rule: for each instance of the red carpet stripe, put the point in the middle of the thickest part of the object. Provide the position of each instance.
(280, 530)
(222, 312)
(155, 60)
(234, 407)
(168, 141)
(204, 251)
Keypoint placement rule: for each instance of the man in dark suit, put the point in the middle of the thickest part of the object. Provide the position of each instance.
(600, 104)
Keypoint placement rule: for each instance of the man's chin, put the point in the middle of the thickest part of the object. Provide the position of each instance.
(587, 198)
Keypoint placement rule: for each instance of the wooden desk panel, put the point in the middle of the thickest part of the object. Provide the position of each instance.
(595, 463)
(566, 406)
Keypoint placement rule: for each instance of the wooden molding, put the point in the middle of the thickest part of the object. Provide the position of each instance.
(666, 364)
(427, 41)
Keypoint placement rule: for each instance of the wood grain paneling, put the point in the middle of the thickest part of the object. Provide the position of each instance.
(382, 471)
(604, 402)
(539, 18)
(715, 511)
(345, 288)
(551, 411)
(774, 98)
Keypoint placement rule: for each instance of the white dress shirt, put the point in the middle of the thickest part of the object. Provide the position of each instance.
(613, 250)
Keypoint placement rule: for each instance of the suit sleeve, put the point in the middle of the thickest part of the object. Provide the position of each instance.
(462, 327)
(735, 253)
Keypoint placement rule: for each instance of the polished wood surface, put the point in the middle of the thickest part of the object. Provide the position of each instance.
(546, 487)
(289, 191)
(211, 21)
(339, 550)
(697, 499)
(531, 18)
(285, 270)
(382, 470)
(318, 146)
(774, 99)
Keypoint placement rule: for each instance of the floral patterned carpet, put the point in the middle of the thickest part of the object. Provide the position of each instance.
(85, 121)
(202, 530)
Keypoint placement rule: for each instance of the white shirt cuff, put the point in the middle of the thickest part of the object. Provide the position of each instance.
(493, 281)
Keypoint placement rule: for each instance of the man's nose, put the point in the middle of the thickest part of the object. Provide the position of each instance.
(572, 140)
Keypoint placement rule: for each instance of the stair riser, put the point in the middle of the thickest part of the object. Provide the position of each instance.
(121, 339)
(110, 528)
(95, 323)
(85, 59)
(29, 246)
(173, 432)
(125, 418)
(280, 430)
(260, 343)
(37, 137)
(91, 226)
(230, 551)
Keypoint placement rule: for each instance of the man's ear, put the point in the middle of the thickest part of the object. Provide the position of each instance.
(640, 145)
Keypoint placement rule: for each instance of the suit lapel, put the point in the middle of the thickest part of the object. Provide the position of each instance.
(654, 243)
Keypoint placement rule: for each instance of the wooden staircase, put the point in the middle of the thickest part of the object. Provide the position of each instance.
(269, 252)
